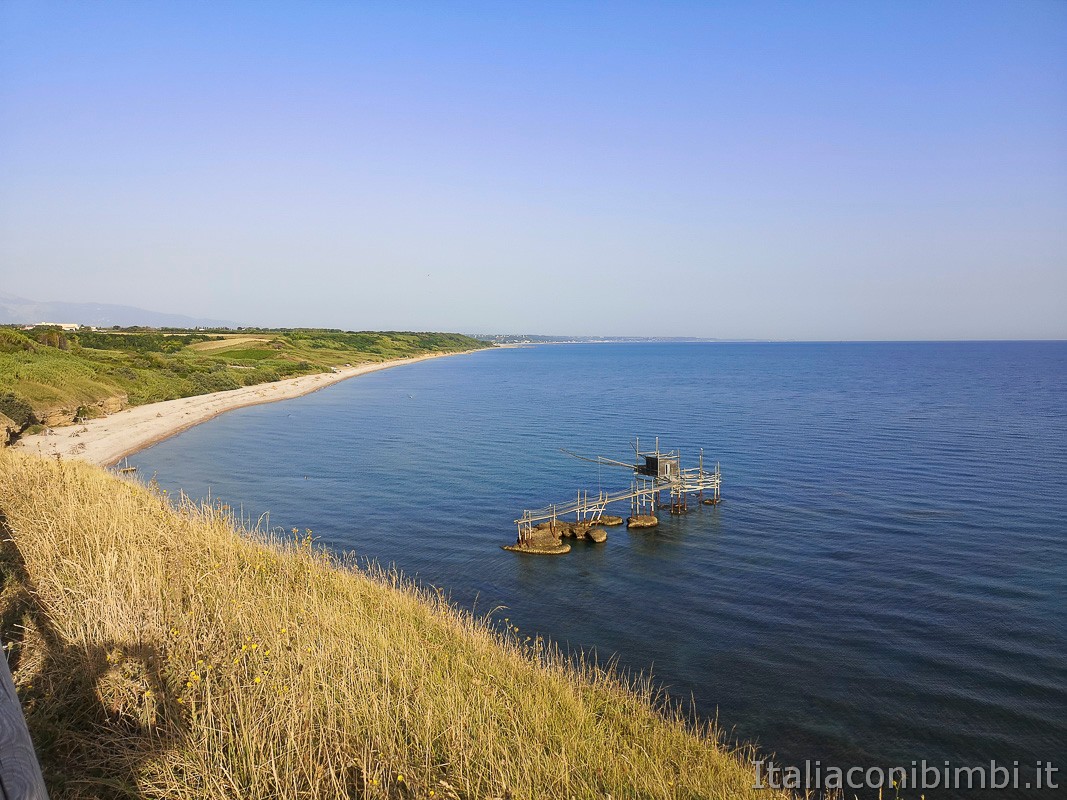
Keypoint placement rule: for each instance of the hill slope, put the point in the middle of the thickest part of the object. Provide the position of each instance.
(161, 653)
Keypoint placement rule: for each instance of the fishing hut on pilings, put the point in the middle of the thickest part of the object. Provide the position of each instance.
(658, 480)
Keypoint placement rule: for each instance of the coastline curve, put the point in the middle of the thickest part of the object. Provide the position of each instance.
(107, 440)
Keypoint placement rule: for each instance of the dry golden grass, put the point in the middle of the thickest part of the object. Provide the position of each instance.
(229, 342)
(167, 653)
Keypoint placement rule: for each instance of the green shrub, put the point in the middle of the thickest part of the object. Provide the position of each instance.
(17, 409)
(216, 381)
(90, 412)
(11, 341)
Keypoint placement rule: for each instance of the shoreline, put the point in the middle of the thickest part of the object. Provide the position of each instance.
(107, 440)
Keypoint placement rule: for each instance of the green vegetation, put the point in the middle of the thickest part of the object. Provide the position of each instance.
(16, 409)
(58, 374)
(162, 652)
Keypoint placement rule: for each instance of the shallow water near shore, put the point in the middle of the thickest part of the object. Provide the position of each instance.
(885, 581)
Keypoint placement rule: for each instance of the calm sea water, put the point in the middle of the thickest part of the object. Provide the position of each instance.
(885, 581)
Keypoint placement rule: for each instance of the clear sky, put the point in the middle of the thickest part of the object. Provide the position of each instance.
(802, 170)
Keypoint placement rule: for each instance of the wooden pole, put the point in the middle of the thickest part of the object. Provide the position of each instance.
(20, 774)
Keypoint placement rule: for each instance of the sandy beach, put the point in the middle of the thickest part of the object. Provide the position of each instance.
(106, 440)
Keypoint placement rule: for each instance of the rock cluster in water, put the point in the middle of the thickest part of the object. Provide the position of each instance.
(547, 537)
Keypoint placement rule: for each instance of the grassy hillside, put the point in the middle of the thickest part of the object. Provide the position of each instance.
(162, 653)
(58, 375)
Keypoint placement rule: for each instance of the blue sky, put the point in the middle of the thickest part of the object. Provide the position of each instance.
(852, 170)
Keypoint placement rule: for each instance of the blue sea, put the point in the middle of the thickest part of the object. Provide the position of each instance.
(885, 581)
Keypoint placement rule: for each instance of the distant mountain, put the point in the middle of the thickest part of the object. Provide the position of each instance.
(19, 309)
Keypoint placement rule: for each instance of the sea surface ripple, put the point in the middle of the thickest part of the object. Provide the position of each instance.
(885, 581)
